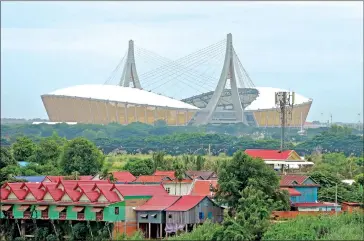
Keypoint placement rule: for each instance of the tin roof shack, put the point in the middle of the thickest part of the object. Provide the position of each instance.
(151, 216)
(135, 195)
(190, 210)
(302, 189)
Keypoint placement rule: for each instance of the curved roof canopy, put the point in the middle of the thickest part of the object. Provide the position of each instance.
(266, 99)
(121, 94)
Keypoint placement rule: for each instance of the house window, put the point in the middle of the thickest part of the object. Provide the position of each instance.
(116, 210)
(209, 215)
(168, 189)
(201, 215)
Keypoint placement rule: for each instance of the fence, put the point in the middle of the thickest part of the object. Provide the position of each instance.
(129, 228)
(293, 214)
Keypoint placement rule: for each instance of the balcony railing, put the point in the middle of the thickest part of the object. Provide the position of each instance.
(81, 216)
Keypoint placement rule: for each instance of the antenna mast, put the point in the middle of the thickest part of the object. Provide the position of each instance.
(284, 101)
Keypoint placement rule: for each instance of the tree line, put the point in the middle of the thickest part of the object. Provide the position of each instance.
(178, 140)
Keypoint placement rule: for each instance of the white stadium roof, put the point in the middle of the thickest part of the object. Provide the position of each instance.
(121, 94)
(266, 99)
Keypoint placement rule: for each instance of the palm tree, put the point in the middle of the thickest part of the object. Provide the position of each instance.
(179, 172)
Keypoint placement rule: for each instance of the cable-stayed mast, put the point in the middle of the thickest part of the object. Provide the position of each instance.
(205, 115)
(129, 74)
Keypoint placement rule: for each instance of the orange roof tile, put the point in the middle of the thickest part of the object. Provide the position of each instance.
(202, 187)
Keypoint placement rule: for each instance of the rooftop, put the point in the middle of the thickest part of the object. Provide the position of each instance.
(121, 94)
(158, 203)
(185, 203)
(268, 154)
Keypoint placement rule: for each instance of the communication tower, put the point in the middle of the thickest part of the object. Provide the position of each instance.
(284, 102)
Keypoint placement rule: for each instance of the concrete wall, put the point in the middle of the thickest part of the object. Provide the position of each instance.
(178, 189)
(81, 110)
(270, 117)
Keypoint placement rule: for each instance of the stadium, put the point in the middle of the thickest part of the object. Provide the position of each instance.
(232, 101)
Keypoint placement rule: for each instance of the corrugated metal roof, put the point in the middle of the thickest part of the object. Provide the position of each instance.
(185, 203)
(151, 179)
(158, 203)
(268, 154)
(169, 174)
(202, 187)
(123, 176)
(287, 180)
(121, 94)
(31, 178)
(291, 191)
(140, 190)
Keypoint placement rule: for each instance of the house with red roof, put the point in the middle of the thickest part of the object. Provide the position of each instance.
(278, 159)
(151, 179)
(303, 192)
(204, 188)
(169, 174)
(190, 210)
(151, 216)
(77, 201)
(120, 177)
(202, 175)
(273, 155)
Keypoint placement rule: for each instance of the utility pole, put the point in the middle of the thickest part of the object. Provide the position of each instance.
(284, 102)
(336, 199)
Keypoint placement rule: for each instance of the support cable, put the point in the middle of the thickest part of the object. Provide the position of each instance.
(198, 63)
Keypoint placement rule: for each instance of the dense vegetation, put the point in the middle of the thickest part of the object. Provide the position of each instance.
(248, 186)
(176, 140)
(343, 227)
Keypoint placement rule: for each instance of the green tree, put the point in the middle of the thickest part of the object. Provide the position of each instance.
(158, 159)
(7, 158)
(360, 179)
(251, 219)
(137, 166)
(23, 148)
(179, 172)
(240, 172)
(7, 173)
(200, 161)
(48, 150)
(81, 155)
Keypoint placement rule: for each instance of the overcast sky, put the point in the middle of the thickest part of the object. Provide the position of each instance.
(313, 48)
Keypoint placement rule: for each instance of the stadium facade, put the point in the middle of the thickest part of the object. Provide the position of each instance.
(231, 102)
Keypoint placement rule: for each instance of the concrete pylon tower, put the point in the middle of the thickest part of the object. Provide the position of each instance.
(228, 72)
(129, 72)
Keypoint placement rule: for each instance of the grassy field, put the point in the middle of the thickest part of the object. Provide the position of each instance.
(117, 162)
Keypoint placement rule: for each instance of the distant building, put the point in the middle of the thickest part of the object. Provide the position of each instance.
(278, 159)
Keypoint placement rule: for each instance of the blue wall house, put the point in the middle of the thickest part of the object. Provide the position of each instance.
(303, 194)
